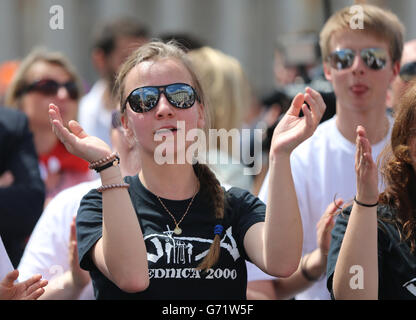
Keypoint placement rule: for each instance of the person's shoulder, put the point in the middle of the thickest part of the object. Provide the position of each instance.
(76, 191)
(387, 222)
(385, 215)
(12, 113)
(237, 197)
(385, 211)
(236, 192)
(12, 119)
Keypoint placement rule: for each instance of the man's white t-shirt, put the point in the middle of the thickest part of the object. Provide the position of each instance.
(93, 117)
(5, 263)
(323, 169)
(47, 252)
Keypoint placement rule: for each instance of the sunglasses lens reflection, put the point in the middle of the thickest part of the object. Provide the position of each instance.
(144, 99)
(408, 71)
(374, 58)
(180, 95)
(342, 59)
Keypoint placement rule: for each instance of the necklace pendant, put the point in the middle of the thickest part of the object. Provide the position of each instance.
(177, 230)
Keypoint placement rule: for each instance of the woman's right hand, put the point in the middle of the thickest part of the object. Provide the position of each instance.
(76, 140)
(366, 169)
(293, 129)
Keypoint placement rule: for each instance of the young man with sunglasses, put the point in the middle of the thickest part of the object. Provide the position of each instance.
(361, 64)
(406, 75)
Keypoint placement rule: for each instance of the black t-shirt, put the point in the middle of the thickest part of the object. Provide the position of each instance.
(173, 258)
(396, 264)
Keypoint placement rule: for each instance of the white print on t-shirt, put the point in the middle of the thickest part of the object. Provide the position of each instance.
(410, 285)
(192, 273)
(181, 250)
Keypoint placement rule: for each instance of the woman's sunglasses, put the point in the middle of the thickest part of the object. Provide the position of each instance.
(50, 87)
(408, 71)
(144, 99)
(374, 58)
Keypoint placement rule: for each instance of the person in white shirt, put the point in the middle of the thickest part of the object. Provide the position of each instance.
(51, 250)
(5, 263)
(113, 43)
(361, 65)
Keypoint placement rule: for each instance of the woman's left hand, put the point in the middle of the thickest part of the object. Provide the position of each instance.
(293, 129)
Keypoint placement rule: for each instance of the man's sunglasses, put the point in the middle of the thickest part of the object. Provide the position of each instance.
(50, 87)
(374, 58)
(143, 99)
(408, 71)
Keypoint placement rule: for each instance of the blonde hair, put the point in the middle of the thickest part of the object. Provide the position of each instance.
(39, 54)
(226, 85)
(211, 189)
(381, 23)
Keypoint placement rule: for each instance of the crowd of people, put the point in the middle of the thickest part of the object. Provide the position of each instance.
(90, 211)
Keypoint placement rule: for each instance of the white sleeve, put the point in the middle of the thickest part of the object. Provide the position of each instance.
(5, 263)
(47, 252)
(264, 189)
(254, 273)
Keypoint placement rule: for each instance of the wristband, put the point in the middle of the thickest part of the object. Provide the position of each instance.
(96, 164)
(364, 204)
(114, 162)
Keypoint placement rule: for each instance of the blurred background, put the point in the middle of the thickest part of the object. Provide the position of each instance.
(245, 29)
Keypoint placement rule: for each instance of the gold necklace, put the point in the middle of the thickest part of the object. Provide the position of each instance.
(177, 230)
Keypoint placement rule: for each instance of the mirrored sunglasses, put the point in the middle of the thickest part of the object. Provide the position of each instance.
(374, 58)
(408, 71)
(144, 99)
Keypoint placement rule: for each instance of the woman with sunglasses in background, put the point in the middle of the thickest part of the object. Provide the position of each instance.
(172, 231)
(373, 249)
(47, 77)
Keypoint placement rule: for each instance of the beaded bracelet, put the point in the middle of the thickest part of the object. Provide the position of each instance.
(112, 186)
(110, 158)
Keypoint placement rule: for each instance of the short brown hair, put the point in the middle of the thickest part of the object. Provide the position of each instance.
(105, 36)
(381, 23)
